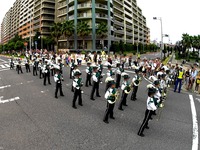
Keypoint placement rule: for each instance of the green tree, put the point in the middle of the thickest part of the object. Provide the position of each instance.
(83, 30)
(101, 31)
(19, 45)
(11, 45)
(56, 32)
(68, 30)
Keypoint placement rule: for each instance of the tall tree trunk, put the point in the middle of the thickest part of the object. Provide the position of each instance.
(83, 44)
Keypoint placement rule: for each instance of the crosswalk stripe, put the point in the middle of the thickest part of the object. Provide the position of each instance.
(7, 65)
(2, 66)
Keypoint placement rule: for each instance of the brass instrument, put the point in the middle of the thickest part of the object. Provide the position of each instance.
(128, 88)
(113, 97)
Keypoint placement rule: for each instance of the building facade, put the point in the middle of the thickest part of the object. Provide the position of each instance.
(27, 17)
(123, 17)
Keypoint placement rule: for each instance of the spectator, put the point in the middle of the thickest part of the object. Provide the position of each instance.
(197, 82)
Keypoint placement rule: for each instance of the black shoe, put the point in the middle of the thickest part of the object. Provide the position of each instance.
(105, 121)
(98, 96)
(92, 99)
(154, 114)
(50, 83)
(151, 118)
(125, 104)
(81, 104)
(56, 96)
(62, 95)
(121, 109)
(112, 118)
(90, 84)
(86, 85)
(147, 127)
(44, 84)
(142, 135)
(74, 107)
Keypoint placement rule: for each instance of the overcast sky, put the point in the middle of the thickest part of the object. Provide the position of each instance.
(179, 16)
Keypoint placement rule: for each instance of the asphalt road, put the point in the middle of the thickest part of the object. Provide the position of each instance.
(38, 121)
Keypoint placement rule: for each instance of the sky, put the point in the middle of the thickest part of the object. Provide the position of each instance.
(178, 16)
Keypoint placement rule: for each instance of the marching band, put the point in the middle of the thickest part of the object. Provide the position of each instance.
(49, 65)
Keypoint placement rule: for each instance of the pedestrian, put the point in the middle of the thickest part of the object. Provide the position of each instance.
(77, 84)
(95, 86)
(197, 82)
(180, 76)
(89, 74)
(111, 97)
(27, 65)
(150, 108)
(58, 81)
(40, 66)
(46, 72)
(126, 89)
(19, 67)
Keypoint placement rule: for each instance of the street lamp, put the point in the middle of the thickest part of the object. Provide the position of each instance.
(159, 18)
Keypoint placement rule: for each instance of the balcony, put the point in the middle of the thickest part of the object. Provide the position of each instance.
(47, 18)
(84, 15)
(101, 16)
(129, 33)
(121, 32)
(119, 23)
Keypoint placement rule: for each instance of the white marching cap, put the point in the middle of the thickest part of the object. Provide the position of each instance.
(124, 73)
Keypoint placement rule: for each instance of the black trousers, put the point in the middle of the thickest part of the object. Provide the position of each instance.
(148, 114)
(34, 71)
(11, 65)
(41, 74)
(95, 87)
(134, 93)
(118, 78)
(47, 75)
(52, 72)
(109, 111)
(58, 87)
(123, 100)
(27, 68)
(88, 80)
(19, 68)
(107, 87)
(71, 69)
(77, 94)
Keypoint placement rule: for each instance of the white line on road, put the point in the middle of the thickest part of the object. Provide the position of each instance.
(195, 124)
(8, 100)
(3, 87)
(2, 66)
(5, 69)
(7, 65)
(2, 60)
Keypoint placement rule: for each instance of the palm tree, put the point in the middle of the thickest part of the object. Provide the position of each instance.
(56, 32)
(101, 31)
(83, 30)
(68, 30)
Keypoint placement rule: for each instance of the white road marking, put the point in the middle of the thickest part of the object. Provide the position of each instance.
(30, 81)
(3, 60)
(7, 65)
(19, 83)
(195, 124)
(9, 100)
(5, 69)
(3, 87)
(2, 66)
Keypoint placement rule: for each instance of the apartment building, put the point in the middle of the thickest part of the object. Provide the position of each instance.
(43, 17)
(26, 17)
(124, 18)
(6, 27)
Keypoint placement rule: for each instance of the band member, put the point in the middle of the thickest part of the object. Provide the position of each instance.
(136, 81)
(100, 66)
(89, 74)
(95, 86)
(57, 79)
(40, 68)
(108, 82)
(119, 71)
(110, 96)
(126, 89)
(150, 108)
(27, 65)
(19, 67)
(34, 67)
(46, 72)
(77, 84)
(71, 67)
(109, 74)
(75, 69)
(52, 67)
(61, 65)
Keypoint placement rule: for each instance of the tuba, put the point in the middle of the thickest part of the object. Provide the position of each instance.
(114, 96)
